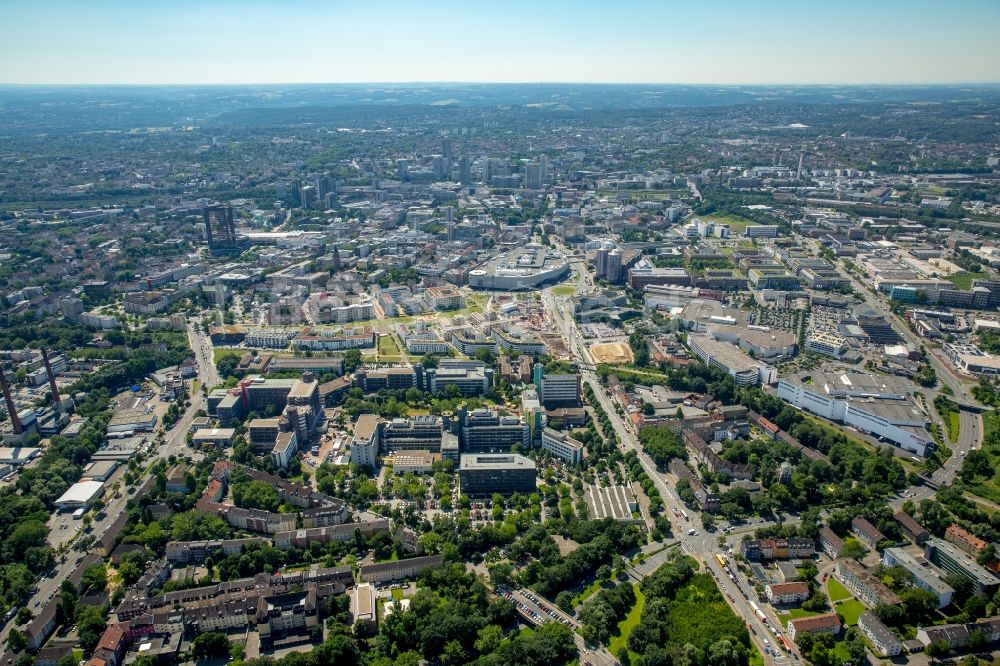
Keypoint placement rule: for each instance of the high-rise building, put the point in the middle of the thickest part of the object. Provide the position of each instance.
(613, 272)
(403, 169)
(220, 231)
(601, 263)
(560, 390)
(440, 164)
(533, 176)
(308, 196)
(464, 170)
(446, 148)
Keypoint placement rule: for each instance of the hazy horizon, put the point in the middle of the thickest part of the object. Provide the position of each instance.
(307, 42)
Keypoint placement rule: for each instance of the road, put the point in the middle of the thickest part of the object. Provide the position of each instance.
(700, 544)
(174, 443)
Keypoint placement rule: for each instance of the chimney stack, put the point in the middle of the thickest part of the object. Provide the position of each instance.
(52, 378)
(10, 404)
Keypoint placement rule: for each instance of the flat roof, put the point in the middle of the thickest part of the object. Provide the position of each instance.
(364, 428)
(919, 570)
(496, 461)
(727, 354)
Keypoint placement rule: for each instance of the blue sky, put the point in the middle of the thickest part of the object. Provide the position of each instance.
(629, 41)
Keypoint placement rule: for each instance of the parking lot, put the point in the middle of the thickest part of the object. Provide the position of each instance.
(538, 609)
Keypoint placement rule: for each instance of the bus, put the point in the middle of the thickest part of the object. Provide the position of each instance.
(721, 560)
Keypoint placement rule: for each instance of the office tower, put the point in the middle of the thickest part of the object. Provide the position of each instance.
(446, 148)
(533, 176)
(403, 169)
(613, 268)
(439, 165)
(464, 171)
(601, 263)
(487, 170)
(449, 213)
(220, 231)
(307, 196)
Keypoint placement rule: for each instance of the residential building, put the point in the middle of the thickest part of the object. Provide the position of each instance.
(830, 543)
(400, 570)
(777, 549)
(867, 532)
(960, 635)
(913, 530)
(965, 540)
(784, 594)
(883, 641)
(863, 584)
(825, 623)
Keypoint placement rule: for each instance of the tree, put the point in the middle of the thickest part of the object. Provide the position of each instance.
(95, 578)
(90, 624)
(210, 644)
(16, 640)
(853, 549)
(24, 616)
(938, 648)
(488, 639)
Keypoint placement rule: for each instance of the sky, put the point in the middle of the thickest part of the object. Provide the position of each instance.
(608, 41)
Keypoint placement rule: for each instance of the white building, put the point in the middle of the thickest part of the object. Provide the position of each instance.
(884, 642)
(877, 405)
(80, 495)
(728, 358)
(761, 231)
(562, 446)
(827, 344)
(364, 445)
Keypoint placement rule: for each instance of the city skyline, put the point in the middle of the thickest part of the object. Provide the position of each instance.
(225, 42)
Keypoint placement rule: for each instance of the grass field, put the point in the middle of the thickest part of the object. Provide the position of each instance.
(953, 426)
(218, 353)
(397, 594)
(963, 281)
(836, 591)
(593, 587)
(851, 610)
(388, 350)
(626, 626)
(467, 310)
(736, 224)
(841, 652)
(795, 614)
(564, 290)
